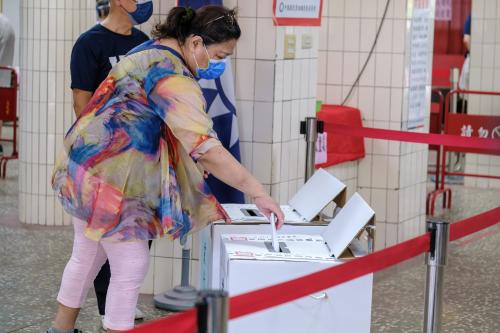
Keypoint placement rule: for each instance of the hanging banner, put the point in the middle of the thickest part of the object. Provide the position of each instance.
(297, 12)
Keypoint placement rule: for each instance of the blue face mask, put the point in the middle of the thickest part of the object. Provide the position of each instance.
(142, 13)
(214, 69)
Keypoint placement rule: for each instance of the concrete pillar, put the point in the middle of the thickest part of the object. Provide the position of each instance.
(484, 75)
(392, 176)
(48, 31)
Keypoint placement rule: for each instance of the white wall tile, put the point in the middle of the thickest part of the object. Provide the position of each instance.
(245, 119)
(350, 67)
(163, 274)
(334, 68)
(262, 157)
(379, 171)
(263, 120)
(378, 203)
(335, 34)
(352, 27)
(382, 104)
(245, 79)
(246, 45)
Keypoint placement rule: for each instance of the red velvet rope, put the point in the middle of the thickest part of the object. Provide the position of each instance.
(474, 224)
(268, 297)
(425, 138)
(184, 322)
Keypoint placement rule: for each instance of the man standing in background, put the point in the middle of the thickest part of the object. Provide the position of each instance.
(92, 57)
(7, 41)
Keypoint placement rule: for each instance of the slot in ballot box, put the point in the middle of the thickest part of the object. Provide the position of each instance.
(249, 262)
(321, 189)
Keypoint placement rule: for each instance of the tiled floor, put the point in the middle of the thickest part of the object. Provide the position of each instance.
(32, 259)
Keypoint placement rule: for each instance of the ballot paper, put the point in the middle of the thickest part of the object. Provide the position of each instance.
(274, 239)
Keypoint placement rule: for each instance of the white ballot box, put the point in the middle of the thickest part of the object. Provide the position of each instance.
(248, 262)
(321, 189)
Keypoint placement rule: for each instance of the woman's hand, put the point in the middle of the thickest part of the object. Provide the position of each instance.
(220, 163)
(267, 206)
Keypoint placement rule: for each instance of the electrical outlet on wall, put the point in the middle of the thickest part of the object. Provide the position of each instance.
(307, 41)
(290, 46)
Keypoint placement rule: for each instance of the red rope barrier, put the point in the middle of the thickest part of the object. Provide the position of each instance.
(288, 291)
(184, 322)
(474, 224)
(424, 138)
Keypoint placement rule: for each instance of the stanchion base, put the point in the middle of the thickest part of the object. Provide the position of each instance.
(178, 299)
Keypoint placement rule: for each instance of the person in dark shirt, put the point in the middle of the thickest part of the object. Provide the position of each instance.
(93, 55)
(99, 48)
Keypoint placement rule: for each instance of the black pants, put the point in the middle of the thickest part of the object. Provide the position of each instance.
(101, 284)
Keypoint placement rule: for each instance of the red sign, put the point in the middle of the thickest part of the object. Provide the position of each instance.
(297, 12)
(487, 127)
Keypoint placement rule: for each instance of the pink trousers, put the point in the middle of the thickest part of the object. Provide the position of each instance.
(129, 265)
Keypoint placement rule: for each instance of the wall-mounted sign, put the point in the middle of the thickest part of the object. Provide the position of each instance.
(297, 12)
(421, 40)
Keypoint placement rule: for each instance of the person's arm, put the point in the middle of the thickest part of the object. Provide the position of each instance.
(80, 100)
(220, 163)
(467, 42)
(180, 104)
(84, 72)
(467, 32)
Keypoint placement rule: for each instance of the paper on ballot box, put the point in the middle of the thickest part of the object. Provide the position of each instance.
(321, 189)
(211, 250)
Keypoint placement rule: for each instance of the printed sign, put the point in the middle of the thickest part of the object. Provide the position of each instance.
(476, 126)
(321, 148)
(297, 12)
(420, 69)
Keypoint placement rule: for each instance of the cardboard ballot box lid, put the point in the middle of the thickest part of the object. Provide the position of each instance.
(316, 193)
(337, 236)
(304, 206)
(351, 219)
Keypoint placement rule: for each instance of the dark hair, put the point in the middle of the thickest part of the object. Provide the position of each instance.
(102, 8)
(215, 24)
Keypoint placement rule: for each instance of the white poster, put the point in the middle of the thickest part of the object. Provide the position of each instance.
(419, 76)
(321, 148)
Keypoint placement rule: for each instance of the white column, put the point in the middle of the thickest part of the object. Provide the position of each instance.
(48, 31)
(392, 176)
(273, 95)
(484, 75)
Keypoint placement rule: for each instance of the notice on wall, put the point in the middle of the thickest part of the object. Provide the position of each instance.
(297, 12)
(419, 76)
(443, 10)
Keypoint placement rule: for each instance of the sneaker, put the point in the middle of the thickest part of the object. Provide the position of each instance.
(139, 315)
(102, 324)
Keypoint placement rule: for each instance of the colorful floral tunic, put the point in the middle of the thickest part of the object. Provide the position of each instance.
(129, 162)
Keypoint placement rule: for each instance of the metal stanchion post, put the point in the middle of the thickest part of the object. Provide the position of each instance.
(310, 127)
(436, 260)
(213, 311)
(182, 297)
